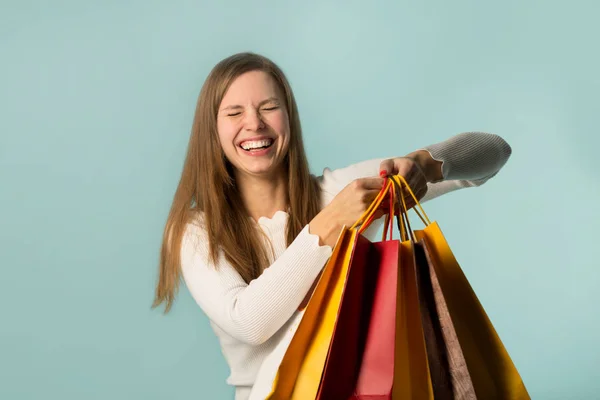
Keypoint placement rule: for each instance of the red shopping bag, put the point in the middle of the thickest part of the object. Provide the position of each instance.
(376, 373)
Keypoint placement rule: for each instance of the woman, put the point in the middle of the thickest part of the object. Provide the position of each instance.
(250, 229)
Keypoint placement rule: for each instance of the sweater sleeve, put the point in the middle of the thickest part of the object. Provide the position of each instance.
(252, 312)
(468, 159)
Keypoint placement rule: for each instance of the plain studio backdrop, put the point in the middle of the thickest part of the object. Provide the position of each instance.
(96, 104)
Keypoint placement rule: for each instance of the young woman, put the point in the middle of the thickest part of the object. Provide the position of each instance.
(250, 228)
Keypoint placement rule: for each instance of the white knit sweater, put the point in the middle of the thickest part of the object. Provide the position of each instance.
(250, 319)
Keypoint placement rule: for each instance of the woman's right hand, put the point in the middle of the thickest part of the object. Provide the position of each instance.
(346, 208)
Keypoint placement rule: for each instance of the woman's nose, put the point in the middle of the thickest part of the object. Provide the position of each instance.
(253, 121)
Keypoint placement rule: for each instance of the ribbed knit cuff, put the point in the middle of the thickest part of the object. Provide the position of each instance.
(470, 155)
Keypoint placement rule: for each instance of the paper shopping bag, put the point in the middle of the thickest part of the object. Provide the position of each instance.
(375, 376)
(347, 349)
(381, 316)
(299, 374)
(394, 362)
(492, 373)
(448, 370)
(347, 342)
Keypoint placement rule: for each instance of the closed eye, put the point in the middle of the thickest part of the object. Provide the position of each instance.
(236, 113)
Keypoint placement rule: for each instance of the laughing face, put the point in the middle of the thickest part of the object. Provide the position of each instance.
(253, 125)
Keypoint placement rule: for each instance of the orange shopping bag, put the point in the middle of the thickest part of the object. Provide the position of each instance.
(299, 372)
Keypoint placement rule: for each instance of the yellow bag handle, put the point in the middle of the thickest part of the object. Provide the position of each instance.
(366, 219)
(389, 220)
(402, 214)
(400, 180)
(392, 185)
(370, 211)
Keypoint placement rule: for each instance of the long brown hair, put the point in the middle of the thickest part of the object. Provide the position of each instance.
(207, 185)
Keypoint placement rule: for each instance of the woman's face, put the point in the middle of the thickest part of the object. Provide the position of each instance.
(253, 125)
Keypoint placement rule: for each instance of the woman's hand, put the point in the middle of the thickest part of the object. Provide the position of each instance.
(418, 169)
(345, 208)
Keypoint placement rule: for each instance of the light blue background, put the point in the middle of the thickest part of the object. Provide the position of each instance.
(96, 104)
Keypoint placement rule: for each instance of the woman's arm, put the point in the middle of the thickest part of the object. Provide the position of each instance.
(252, 312)
(474, 156)
(465, 160)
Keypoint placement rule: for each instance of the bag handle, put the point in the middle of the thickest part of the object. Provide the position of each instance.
(400, 179)
(393, 185)
(403, 222)
(390, 188)
(389, 221)
(367, 217)
(402, 219)
(389, 217)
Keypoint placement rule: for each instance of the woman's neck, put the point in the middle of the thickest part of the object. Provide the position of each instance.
(263, 197)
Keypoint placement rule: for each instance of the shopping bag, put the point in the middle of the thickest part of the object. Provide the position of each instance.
(449, 373)
(469, 331)
(382, 317)
(347, 342)
(299, 373)
(311, 356)
(345, 359)
(375, 376)
(394, 361)
(443, 372)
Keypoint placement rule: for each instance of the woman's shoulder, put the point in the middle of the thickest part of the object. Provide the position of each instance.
(195, 217)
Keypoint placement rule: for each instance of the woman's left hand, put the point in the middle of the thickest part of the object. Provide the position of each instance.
(417, 168)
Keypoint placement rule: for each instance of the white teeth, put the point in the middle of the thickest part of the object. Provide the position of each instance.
(256, 144)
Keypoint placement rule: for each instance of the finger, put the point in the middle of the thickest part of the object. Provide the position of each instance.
(417, 184)
(408, 203)
(403, 207)
(408, 197)
(419, 194)
(415, 189)
(404, 168)
(423, 192)
(407, 167)
(369, 196)
(371, 183)
(386, 167)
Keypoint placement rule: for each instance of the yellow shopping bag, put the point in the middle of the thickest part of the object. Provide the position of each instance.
(411, 369)
(299, 373)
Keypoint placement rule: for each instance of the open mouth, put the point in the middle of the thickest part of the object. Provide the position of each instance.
(255, 145)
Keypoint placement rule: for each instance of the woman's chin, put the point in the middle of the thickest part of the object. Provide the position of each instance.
(267, 165)
(264, 169)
